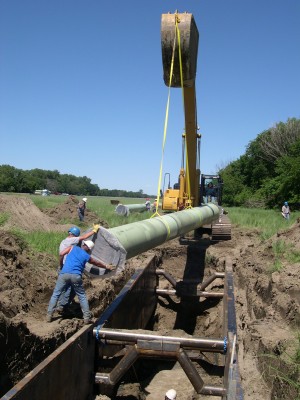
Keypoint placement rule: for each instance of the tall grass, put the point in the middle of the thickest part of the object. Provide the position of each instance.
(285, 368)
(100, 206)
(4, 217)
(48, 242)
(47, 201)
(268, 222)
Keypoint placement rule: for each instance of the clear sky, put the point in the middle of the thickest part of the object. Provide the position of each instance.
(82, 91)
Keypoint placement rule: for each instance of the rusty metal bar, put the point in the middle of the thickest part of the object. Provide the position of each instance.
(120, 369)
(213, 391)
(210, 279)
(204, 344)
(190, 370)
(168, 276)
(199, 293)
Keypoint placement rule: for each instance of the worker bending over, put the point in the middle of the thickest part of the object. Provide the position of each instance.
(71, 273)
(73, 239)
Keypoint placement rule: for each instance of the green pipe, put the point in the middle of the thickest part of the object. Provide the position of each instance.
(116, 245)
(125, 210)
(141, 236)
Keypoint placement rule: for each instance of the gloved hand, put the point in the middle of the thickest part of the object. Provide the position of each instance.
(111, 267)
(96, 228)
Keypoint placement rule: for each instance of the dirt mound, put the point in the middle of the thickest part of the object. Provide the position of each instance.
(267, 296)
(68, 211)
(24, 278)
(23, 214)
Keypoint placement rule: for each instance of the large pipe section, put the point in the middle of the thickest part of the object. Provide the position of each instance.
(125, 210)
(115, 245)
(141, 236)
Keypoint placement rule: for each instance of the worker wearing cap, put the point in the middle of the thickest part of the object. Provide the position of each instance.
(81, 209)
(148, 204)
(73, 239)
(154, 206)
(71, 273)
(285, 210)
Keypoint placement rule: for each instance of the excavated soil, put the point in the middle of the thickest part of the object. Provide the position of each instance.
(267, 305)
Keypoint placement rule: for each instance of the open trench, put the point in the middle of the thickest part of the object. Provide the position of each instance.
(185, 316)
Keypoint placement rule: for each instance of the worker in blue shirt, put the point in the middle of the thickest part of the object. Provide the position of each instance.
(71, 273)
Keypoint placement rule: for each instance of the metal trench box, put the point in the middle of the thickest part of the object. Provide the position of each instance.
(69, 372)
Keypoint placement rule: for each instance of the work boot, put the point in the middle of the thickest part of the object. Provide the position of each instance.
(49, 318)
(60, 310)
(87, 321)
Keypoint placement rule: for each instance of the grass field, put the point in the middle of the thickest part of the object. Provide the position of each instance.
(268, 222)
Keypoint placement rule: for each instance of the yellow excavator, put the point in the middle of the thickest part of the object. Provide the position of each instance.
(179, 43)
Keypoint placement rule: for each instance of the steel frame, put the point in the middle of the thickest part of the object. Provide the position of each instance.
(137, 345)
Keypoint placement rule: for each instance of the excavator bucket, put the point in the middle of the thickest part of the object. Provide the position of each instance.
(189, 37)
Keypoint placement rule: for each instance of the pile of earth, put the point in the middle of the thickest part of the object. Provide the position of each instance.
(267, 298)
(27, 280)
(68, 210)
(21, 213)
(267, 301)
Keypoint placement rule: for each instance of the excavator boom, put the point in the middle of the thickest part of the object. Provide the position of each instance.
(179, 42)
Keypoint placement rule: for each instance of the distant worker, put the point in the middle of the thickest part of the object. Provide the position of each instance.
(148, 204)
(171, 395)
(73, 239)
(81, 209)
(210, 193)
(285, 210)
(154, 206)
(71, 273)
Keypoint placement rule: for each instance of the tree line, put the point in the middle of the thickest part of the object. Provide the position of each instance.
(269, 172)
(28, 181)
(265, 176)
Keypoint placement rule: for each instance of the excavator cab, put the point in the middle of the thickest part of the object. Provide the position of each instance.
(211, 188)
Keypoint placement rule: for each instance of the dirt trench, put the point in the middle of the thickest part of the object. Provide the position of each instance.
(267, 307)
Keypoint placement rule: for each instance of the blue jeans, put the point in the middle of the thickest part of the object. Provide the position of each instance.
(80, 215)
(66, 297)
(63, 282)
(209, 199)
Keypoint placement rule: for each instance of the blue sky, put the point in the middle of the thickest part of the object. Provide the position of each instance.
(82, 91)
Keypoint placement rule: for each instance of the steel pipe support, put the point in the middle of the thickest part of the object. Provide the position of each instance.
(190, 370)
(204, 344)
(168, 276)
(199, 293)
